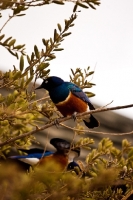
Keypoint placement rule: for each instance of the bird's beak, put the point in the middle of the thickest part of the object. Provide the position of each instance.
(38, 87)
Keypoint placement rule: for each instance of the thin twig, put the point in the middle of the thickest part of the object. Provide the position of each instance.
(44, 98)
(10, 17)
(6, 84)
(107, 104)
(128, 195)
(96, 132)
(45, 147)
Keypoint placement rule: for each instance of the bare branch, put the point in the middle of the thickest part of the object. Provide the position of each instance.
(96, 132)
(10, 17)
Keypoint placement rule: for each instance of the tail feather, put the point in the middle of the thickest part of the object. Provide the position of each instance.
(93, 122)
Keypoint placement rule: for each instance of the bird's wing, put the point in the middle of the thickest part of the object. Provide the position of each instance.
(33, 150)
(80, 94)
(31, 159)
(33, 155)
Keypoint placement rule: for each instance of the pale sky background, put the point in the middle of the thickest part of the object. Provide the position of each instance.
(101, 39)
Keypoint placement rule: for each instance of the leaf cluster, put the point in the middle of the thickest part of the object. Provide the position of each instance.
(81, 79)
(11, 4)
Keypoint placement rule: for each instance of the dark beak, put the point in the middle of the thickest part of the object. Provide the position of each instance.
(38, 87)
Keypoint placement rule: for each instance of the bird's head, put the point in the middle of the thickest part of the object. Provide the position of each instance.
(61, 145)
(50, 83)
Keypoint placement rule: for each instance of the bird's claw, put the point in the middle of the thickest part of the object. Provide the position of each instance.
(56, 122)
(74, 116)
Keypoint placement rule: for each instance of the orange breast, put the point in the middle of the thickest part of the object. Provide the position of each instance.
(72, 104)
(60, 159)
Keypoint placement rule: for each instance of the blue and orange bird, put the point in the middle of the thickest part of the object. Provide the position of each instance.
(61, 156)
(69, 99)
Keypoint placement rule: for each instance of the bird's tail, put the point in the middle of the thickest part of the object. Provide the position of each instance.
(93, 122)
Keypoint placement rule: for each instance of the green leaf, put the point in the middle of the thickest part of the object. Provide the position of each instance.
(45, 42)
(59, 27)
(82, 5)
(36, 52)
(58, 2)
(66, 34)
(21, 65)
(130, 154)
(90, 94)
(12, 42)
(32, 56)
(28, 59)
(52, 56)
(19, 47)
(42, 66)
(17, 75)
(90, 73)
(75, 8)
(29, 80)
(44, 73)
(20, 15)
(2, 36)
(59, 49)
(14, 54)
(91, 6)
(6, 41)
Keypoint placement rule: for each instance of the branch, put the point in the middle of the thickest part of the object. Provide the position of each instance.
(127, 195)
(62, 120)
(96, 132)
(10, 17)
(104, 109)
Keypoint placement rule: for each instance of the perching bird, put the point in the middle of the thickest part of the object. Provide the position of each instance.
(61, 156)
(69, 99)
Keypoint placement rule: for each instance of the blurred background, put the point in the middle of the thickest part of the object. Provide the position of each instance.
(101, 39)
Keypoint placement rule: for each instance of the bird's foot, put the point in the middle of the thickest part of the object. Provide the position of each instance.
(74, 116)
(56, 123)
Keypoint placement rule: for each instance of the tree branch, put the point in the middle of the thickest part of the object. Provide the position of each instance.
(96, 132)
(62, 120)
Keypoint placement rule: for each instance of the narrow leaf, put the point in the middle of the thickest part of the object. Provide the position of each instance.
(2, 36)
(58, 2)
(91, 6)
(36, 52)
(82, 5)
(29, 80)
(21, 65)
(19, 46)
(59, 27)
(59, 49)
(75, 8)
(17, 75)
(66, 34)
(6, 41)
(14, 54)
(20, 15)
(12, 42)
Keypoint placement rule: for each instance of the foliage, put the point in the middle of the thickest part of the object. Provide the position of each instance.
(104, 176)
(21, 115)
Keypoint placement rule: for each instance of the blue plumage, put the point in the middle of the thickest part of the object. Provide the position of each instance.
(69, 98)
(33, 155)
